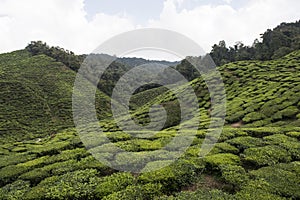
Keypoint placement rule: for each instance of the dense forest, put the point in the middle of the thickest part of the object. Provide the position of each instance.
(257, 155)
(275, 43)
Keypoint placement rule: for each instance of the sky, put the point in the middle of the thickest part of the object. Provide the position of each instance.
(82, 25)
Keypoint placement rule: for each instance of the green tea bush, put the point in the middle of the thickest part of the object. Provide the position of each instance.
(90, 162)
(73, 185)
(114, 183)
(292, 145)
(267, 155)
(257, 189)
(15, 190)
(295, 134)
(262, 131)
(281, 182)
(133, 161)
(224, 147)
(10, 173)
(214, 162)
(173, 177)
(253, 116)
(15, 158)
(229, 133)
(65, 155)
(118, 136)
(140, 145)
(289, 112)
(245, 142)
(137, 192)
(199, 194)
(35, 176)
(234, 175)
(49, 148)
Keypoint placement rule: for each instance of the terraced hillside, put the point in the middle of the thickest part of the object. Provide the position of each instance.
(36, 96)
(260, 159)
(258, 94)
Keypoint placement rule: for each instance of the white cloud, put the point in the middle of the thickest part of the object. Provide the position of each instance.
(58, 22)
(64, 23)
(208, 24)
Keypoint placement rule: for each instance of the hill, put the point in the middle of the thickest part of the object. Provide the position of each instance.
(274, 44)
(259, 93)
(36, 96)
(260, 159)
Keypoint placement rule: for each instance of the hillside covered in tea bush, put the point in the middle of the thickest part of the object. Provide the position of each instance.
(42, 156)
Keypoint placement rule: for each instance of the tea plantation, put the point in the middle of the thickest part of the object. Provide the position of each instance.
(42, 156)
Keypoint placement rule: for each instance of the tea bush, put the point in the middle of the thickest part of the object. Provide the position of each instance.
(113, 183)
(214, 162)
(267, 155)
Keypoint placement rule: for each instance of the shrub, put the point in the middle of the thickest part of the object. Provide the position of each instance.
(132, 161)
(137, 192)
(289, 112)
(199, 194)
(214, 162)
(224, 147)
(229, 133)
(10, 173)
(257, 189)
(118, 136)
(253, 116)
(113, 183)
(262, 131)
(289, 143)
(281, 182)
(73, 185)
(235, 175)
(267, 155)
(173, 177)
(15, 190)
(35, 176)
(15, 158)
(140, 145)
(245, 142)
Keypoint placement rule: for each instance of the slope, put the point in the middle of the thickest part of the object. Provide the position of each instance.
(259, 93)
(36, 96)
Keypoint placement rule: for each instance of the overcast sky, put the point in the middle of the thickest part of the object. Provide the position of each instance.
(81, 25)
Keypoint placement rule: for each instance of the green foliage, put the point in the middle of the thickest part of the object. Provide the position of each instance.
(280, 181)
(172, 177)
(139, 192)
(224, 147)
(36, 96)
(257, 189)
(267, 155)
(199, 194)
(216, 161)
(245, 142)
(290, 144)
(235, 175)
(275, 43)
(15, 190)
(72, 185)
(42, 157)
(113, 183)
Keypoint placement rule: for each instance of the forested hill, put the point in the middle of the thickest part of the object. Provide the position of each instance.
(275, 43)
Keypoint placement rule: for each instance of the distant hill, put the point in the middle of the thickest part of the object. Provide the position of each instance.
(133, 62)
